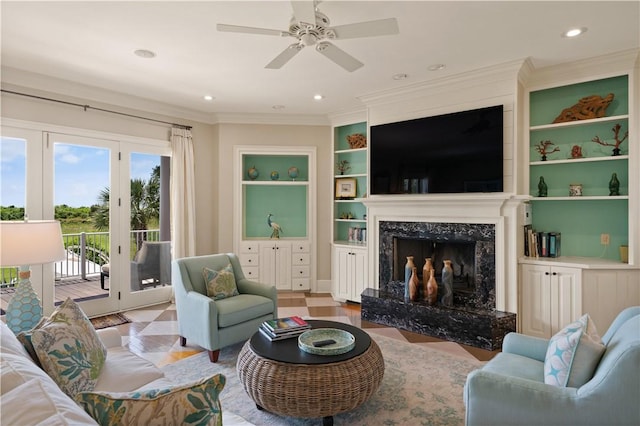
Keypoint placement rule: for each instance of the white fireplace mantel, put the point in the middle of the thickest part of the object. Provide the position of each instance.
(499, 209)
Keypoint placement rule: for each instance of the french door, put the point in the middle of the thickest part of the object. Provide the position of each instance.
(107, 194)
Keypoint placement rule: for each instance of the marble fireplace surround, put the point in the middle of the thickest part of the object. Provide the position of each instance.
(465, 218)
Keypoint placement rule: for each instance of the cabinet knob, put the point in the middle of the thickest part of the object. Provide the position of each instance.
(300, 259)
(546, 273)
(554, 273)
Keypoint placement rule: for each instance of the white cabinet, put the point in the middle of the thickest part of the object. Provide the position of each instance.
(551, 298)
(350, 273)
(300, 265)
(275, 264)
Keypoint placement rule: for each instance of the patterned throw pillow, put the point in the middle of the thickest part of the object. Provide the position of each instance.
(220, 284)
(573, 354)
(69, 349)
(195, 404)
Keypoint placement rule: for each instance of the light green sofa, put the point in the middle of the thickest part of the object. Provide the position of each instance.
(214, 324)
(510, 389)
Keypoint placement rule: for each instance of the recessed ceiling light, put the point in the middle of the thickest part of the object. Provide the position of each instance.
(208, 97)
(574, 32)
(318, 97)
(144, 53)
(278, 107)
(436, 67)
(400, 76)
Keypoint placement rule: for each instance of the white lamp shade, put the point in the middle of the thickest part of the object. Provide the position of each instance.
(30, 243)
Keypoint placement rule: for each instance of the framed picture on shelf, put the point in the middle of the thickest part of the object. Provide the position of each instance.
(345, 188)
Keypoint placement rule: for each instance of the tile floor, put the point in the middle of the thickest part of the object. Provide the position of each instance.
(153, 331)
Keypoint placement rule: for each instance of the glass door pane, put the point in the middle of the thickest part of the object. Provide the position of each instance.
(149, 235)
(83, 202)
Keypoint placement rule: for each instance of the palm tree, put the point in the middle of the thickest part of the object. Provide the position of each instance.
(145, 205)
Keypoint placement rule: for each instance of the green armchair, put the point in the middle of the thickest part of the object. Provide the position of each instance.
(510, 389)
(215, 323)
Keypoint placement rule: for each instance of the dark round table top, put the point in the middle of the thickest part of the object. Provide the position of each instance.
(287, 350)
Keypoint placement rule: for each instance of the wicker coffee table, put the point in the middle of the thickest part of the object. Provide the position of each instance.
(285, 380)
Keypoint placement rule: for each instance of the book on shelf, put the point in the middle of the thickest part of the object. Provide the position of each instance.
(541, 244)
(271, 336)
(286, 324)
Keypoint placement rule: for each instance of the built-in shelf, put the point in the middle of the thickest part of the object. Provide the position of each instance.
(579, 122)
(579, 160)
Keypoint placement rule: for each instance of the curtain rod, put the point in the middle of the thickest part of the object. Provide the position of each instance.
(86, 107)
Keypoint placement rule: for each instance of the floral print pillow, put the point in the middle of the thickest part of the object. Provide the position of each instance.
(193, 404)
(220, 284)
(69, 349)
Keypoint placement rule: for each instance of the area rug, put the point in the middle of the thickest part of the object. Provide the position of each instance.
(421, 386)
(110, 320)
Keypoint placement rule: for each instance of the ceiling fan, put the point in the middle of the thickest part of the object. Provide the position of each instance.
(312, 28)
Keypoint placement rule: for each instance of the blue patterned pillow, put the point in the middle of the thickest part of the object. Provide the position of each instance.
(573, 354)
(69, 349)
(221, 283)
(194, 404)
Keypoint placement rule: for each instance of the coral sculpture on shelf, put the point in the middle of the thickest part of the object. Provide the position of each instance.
(343, 166)
(357, 140)
(589, 107)
(543, 149)
(616, 133)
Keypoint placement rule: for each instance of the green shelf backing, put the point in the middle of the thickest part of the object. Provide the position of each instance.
(265, 164)
(357, 160)
(288, 204)
(594, 177)
(342, 132)
(566, 137)
(357, 209)
(547, 104)
(581, 223)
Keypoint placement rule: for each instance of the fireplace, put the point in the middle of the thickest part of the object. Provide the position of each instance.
(470, 247)
(473, 318)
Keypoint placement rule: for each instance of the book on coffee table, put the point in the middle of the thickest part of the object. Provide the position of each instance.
(286, 325)
(281, 336)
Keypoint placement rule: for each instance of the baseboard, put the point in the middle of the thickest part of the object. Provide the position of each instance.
(323, 286)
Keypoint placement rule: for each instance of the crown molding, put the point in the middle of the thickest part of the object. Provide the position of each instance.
(282, 119)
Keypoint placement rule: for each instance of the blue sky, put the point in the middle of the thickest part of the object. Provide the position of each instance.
(81, 172)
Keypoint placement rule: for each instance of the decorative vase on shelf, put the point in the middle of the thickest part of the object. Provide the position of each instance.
(426, 273)
(542, 187)
(614, 185)
(447, 283)
(408, 271)
(432, 289)
(275, 175)
(414, 285)
(293, 172)
(253, 173)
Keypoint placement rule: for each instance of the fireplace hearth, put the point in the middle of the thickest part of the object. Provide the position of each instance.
(472, 319)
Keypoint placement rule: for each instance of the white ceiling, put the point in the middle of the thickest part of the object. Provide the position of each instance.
(92, 43)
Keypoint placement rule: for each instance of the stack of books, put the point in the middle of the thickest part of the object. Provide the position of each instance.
(284, 328)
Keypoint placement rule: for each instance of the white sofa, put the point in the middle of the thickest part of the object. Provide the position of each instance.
(30, 396)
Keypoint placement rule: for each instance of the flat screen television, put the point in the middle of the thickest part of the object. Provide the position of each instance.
(444, 154)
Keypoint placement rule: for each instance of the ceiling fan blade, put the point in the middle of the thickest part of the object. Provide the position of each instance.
(250, 30)
(339, 56)
(285, 56)
(380, 27)
(304, 11)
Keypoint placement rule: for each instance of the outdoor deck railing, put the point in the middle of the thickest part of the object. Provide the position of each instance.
(86, 253)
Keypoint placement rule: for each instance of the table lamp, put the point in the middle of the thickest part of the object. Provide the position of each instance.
(25, 243)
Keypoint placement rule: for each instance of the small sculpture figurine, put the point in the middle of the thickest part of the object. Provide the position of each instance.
(593, 106)
(542, 149)
(357, 140)
(614, 185)
(616, 133)
(576, 151)
(542, 187)
(276, 229)
(343, 166)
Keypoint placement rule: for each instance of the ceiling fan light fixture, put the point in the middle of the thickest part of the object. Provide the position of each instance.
(308, 39)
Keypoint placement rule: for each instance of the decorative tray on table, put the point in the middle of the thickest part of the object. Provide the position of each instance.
(326, 341)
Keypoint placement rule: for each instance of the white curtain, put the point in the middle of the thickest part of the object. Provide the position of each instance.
(183, 208)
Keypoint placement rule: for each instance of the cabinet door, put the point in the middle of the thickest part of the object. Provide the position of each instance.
(268, 263)
(275, 264)
(342, 261)
(360, 274)
(536, 301)
(566, 297)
